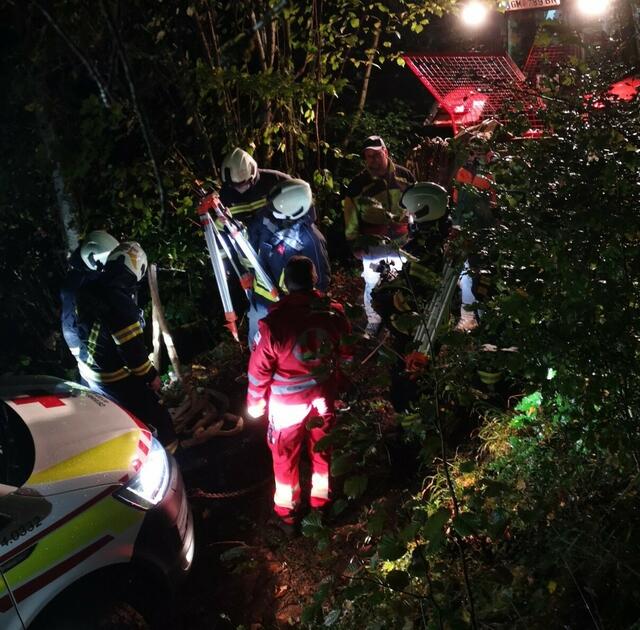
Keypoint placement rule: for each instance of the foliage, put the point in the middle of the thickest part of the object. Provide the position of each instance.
(535, 522)
(125, 104)
(128, 103)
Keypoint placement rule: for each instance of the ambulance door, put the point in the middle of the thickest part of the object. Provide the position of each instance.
(9, 617)
(21, 528)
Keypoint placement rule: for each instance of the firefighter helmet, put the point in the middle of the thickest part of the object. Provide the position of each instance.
(290, 199)
(425, 201)
(133, 257)
(238, 167)
(96, 248)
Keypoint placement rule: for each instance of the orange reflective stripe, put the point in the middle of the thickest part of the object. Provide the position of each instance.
(480, 181)
(464, 176)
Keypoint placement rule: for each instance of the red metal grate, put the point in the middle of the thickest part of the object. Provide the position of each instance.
(472, 86)
(541, 55)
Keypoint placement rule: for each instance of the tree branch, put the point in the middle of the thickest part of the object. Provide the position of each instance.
(105, 97)
(365, 83)
(136, 106)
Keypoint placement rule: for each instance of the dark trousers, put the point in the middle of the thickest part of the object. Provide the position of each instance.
(138, 398)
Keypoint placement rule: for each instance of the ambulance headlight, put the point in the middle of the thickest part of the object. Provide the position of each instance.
(149, 486)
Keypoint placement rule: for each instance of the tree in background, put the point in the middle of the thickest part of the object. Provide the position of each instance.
(120, 106)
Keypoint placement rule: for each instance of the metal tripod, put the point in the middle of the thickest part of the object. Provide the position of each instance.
(237, 249)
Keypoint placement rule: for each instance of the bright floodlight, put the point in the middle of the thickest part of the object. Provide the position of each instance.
(474, 13)
(593, 7)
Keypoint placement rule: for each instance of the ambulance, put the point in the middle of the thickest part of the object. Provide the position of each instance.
(94, 518)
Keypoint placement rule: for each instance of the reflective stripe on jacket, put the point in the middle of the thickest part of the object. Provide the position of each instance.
(372, 204)
(301, 344)
(277, 241)
(245, 205)
(110, 329)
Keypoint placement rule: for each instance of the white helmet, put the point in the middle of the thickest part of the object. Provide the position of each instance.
(425, 201)
(238, 167)
(133, 257)
(290, 199)
(96, 248)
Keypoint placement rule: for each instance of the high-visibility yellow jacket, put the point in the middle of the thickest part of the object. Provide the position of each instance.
(371, 205)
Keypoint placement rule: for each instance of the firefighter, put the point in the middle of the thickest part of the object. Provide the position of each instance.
(295, 371)
(426, 205)
(284, 231)
(245, 186)
(85, 265)
(375, 224)
(244, 193)
(112, 357)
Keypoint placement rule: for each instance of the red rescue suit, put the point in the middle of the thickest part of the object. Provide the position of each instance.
(295, 369)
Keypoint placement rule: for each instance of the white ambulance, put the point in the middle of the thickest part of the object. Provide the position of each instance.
(94, 519)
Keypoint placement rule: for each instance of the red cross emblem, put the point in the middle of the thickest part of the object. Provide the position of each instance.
(47, 401)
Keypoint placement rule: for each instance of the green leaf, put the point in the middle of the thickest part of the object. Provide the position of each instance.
(390, 548)
(312, 526)
(497, 523)
(494, 488)
(418, 566)
(338, 507)
(409, 532)
(467, 467)
(406, 322)
(341, 465)
(433, 528)
(310, 613)
(377, 521)
(465, 524)
(398, 580)
(355, 486)
(354, 22)
(327, 441)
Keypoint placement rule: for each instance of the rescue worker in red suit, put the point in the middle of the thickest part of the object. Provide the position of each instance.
(295, 371)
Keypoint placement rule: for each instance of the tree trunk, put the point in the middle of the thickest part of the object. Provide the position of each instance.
(65, 208)
(64, 201)
(365, 83)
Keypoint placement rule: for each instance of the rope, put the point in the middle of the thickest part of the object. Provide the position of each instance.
(201, 494)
